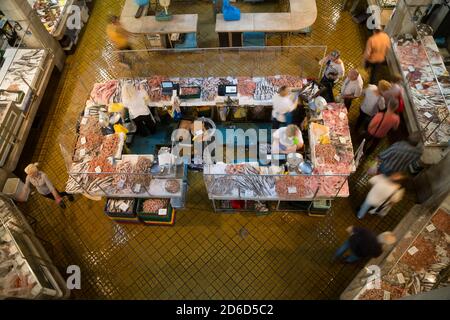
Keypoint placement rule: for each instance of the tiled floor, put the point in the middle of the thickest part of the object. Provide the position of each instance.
(284, 255)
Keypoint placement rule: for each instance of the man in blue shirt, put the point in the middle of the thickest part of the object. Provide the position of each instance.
(401, 155)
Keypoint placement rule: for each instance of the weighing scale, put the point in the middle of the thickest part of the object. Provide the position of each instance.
(168, 87)
(227, 90)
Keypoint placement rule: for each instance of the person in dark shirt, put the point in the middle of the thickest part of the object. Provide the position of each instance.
(363, 243)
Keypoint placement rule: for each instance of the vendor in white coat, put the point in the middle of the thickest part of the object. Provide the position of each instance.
(136, 101)
(287, 140)
(283, 104)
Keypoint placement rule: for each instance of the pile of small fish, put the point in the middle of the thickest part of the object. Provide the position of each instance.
(292, 187)
(247, 178)
(378, 294)
(110, 146)
(141, 172)
(117, 205)
(123, 179)
(154, 205)
(154, 84)
(429, 102)
(246, 86)
(81, 181)
(264, 89)
(172, 186)
(22, 71)
(220, 185)
(286, 80)
(102, 163)
(209, 88)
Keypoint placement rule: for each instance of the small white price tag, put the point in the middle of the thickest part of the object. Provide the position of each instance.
(337, 158)
(413, 250)
(124, 206)
(121, 183)
(400, 278)
(162, 212)
(82, 152)
(423, 102)
(198, 132)
(386, 295)
(411, 68)
(292, 190)
(431, 227)
(137, 187)
(83, 140)
(84, 121)
(428, 115)
(342, 140)
(419, 86)
(111, 160)
(98, 169)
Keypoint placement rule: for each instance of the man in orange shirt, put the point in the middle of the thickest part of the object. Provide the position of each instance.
(119, 38)
(377, 48)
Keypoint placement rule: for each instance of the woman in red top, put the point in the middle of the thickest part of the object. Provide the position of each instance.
(381, 124)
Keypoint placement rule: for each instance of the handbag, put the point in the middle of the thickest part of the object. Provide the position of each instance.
(401, 104)
(379, 125)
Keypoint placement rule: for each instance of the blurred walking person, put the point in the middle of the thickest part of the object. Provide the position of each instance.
(402, 156)
(373, 103)
(363, 243)
(377, 47)
(380, 126)
(385, 192)
(120, 39)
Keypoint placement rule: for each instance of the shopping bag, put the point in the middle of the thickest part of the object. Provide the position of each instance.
(381, 210)
(118, 128)
(230, 13)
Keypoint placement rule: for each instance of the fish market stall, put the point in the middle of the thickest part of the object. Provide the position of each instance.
(418, 263)
(53, 15)
(330, 152)
(26, 271)
(416, 57)
(248, 91)
(24, 76)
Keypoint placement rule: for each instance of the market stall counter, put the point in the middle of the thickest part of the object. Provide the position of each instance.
(330, 151)
(149, 25)
(302, 15)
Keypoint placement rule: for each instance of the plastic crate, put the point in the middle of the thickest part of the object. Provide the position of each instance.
(130, 214)
(153, 216)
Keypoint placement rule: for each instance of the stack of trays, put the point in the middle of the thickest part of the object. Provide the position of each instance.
(164, 215)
